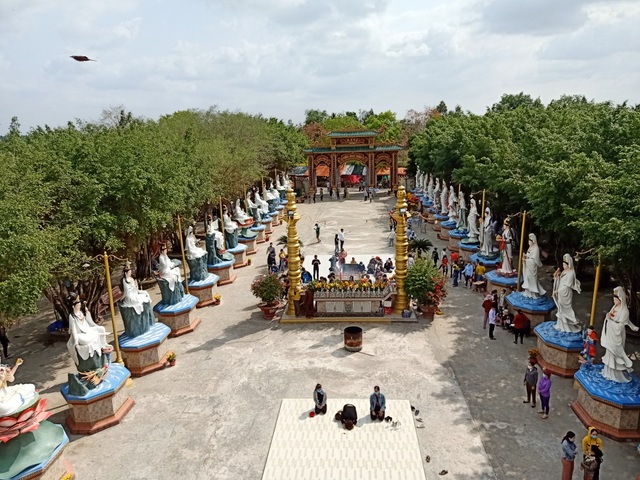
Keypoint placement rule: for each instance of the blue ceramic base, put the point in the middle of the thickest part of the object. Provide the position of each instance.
(450, 224)
(427, 203)
(624, 394)
(221, 265)
(279, 207)
(237, 249)
(431, 210)
(469, 247)
(464, 233)
(209, 281)
(47, 441)
(564, 340)
(441, 218)
(496, 279)
(187, 304)
(258, 228)
(115, 377)
(487, 262)
(536, 305)
(154, 336)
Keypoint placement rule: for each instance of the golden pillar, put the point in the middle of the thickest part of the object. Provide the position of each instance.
(293, 247)
(184, 259)
(402, 250)
(107, 270)
(594, 300)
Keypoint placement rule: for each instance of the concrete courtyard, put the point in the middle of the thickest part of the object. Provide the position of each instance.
(212, 416)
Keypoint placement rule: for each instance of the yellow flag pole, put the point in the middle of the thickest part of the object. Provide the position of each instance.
(524, 218)
(113, 311)
(184, 260)
(594, 300)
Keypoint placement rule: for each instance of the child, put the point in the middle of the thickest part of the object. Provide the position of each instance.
(589, 347)
(445, 265)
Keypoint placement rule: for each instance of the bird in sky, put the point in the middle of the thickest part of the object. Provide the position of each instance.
(82, 58)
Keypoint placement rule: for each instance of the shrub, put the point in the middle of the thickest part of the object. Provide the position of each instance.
(425, 283)
(267, 288)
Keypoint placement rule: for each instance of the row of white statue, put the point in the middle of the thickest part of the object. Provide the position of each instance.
(617, 364)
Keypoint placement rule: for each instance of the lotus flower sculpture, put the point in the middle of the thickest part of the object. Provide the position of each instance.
(25, 421)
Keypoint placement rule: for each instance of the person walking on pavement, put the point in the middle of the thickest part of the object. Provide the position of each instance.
(519, 325)
(492, 321)
(435, 257)
(568, 455)
(530, 383)
(486, 305)
(468, 275)
(321, 195)
(314, 196)
(341, 238)
(317, 229)
(270, 249)
(316, 267)
(544, 390)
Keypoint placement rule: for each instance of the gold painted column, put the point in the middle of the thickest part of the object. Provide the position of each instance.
(402, 249)
(293, 247)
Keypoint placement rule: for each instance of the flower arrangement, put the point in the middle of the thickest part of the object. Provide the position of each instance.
(171, 357)
(426, 284)
(533, 352)
(217, 297)
(267, 288)
(361, 285)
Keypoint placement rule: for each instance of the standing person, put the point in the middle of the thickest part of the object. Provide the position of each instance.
(316, 267)
(271, 262)
(435, 257)
(468, 275)
(4, 340)
(270, 249)
(519, 326)
(317, 229)
(597, 453)
(444, 265)
(314, 196)
(321, 195)
(454, 257)
(410, 261)
(486, 305)
(589, 465)
(530, 382)
(377, 404)
(320, 399)
(492, 320)
(336, 241)
(568, 455)
(341, 238)
(455, 273)
(544, 390)
(591, 439)
(297, 294)
(330, 191)
(283, 260)
(338, 193)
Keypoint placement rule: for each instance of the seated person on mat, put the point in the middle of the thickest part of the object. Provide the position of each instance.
(378, 404)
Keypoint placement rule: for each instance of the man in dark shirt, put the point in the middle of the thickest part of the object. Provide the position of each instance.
(349, 417)
(316, 267)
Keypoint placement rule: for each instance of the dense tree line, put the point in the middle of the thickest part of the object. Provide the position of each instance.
(573, 164)
(67, 194)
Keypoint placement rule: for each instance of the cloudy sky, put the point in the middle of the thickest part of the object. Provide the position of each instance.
(280, 57)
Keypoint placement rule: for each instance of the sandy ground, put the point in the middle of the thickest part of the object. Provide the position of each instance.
(213, 414)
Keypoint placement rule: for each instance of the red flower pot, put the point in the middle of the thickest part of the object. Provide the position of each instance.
(269, 310)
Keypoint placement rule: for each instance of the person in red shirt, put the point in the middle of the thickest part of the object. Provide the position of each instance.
(444, 265)
(488, 301)
(520, 322)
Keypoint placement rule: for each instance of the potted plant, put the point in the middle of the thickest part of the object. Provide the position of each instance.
(216, 299)
(171, 358)
(426, 285)
(269, 290)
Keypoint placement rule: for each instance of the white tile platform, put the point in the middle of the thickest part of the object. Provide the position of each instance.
(312, 448)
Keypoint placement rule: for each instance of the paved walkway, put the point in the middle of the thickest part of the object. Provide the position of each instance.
(213, 414)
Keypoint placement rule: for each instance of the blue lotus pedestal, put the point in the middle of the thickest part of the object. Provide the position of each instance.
(495, 281)
(267, 223)
(101, 408)
(260, 230)
(490, 262)
(180, 318)
(612, 407)
(455, 236)
(203, 289)
(145, 353)
(224, 271)
(468, 249)
(239, 254)
(558, 351)
(538, 310)
(438, 219)
(445, 228)
(250, 243)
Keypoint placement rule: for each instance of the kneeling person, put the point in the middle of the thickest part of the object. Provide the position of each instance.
(378, 404)
(348, 416)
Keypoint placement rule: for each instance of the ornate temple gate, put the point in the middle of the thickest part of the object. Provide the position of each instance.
(353, 146)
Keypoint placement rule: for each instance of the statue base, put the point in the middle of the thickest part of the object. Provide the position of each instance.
(558, 351)
(250, 244)
(612, 407)
(495, 281)
(239, 254)
(445, 229)
(145, 353)
(537, 309)
(490, 262)
(36, 455)
(203, 290)
(267, 225)
(260, 230)
(454, 239)
(467, 249)
(179, 317)
(223, 271)
(103, 407)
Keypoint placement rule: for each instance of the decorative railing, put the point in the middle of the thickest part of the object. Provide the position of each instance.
(352, 294)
